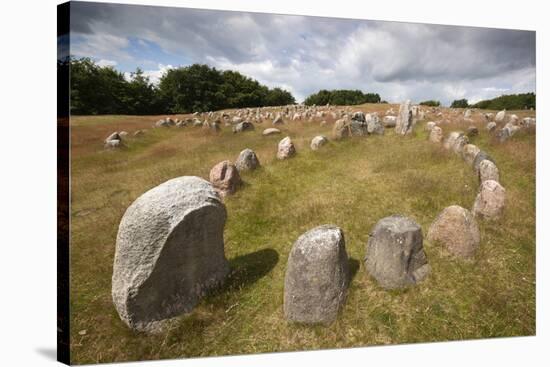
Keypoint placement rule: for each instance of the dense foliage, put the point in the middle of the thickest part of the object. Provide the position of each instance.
(510, 102)
(431, 103)
(104, 90)
(341, 97)
(460, 103)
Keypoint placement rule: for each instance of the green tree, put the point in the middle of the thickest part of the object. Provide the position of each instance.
(431, 103)
(341, 97)
(460, 103)
(95, 89)
(140, 97)
(510, 102)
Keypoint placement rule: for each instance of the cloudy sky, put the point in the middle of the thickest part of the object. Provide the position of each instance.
(305, 54)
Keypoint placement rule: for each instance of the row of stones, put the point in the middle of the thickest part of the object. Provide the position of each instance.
(170, 249)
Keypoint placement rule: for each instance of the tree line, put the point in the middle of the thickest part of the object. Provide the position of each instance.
(341, 97)
(99, 89)
(508, 101)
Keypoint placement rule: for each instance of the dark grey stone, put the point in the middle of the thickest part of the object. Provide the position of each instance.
(247, 160)
(243, 126)
(395, 254)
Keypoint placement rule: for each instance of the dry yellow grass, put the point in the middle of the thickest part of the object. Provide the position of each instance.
(352, 184)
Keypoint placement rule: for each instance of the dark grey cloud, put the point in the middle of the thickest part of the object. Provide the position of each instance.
(304, 54)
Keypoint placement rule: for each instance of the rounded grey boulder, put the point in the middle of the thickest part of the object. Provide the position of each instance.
(247, 160)
(285, 149)
(395, 253)
(317, 276)
(169, 252)
(243, 126)
(318, 141)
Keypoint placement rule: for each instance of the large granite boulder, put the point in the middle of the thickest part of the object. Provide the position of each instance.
(395, 254)
(169, 252)
(317, 276)
(225, 178)
(285, 149)
(490, 200)
(456, 229)
(247, 160)
(406, 119)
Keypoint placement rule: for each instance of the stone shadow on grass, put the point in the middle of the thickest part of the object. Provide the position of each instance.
(353, 268)
(248, 269)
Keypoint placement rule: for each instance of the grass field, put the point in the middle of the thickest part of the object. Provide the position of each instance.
(351, 183)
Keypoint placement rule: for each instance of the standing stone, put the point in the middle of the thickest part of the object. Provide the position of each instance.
(318, 142)
(389, 121)
(358, 116)
(449, 142)
(469, 153)
(472, 131)
(436, 135)
(500, 116)
(341, 129)
(346, 128)
(113, 136)
(460, 143)
(405, 119)
(317, 276)
(490, 200)
(243, 126)
(169, 252)
(491, 126)
(285, 149)
(278, 120)
(488, 171)
(395, 254)
(528, 121)
(456, 228)
(225, 178)
(374, 126)
(247, 161)
(430, 125)
(479, 158)
(271, 131)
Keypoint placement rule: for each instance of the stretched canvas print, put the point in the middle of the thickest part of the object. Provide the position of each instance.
(236, 183)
